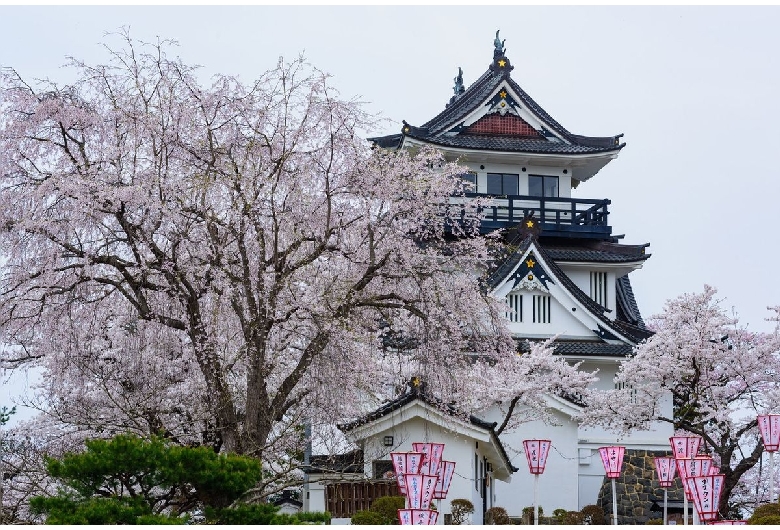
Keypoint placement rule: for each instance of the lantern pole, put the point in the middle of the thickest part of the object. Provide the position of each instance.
(536, 503)
(612, 458)
(665, 468)
(536, 454)
(772, 477)
(614, 503)
(666, 492)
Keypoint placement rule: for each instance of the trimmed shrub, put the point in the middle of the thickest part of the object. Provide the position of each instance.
(497, 515)
(461, 509)
(388, 508)
(528, 514)
(368, 517)
(574, 517)
(593, 514)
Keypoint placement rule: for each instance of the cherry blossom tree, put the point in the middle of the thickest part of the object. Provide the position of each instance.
(719, 374)
(248, 227)
(224, 263)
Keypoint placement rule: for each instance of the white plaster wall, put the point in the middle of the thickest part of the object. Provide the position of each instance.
(564, 180)
(563, 321)
(314, 498)
(458, 448)
(558, 487)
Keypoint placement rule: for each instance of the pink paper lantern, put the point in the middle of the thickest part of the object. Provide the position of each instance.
(693, 467)
(419, 490)
(405, 463)
(706, 495)
(446, 470)
(666, 469)
(612, 458)
(418, 517)
(433, 453)
(536, 452)
(685, 446)
(769, 425)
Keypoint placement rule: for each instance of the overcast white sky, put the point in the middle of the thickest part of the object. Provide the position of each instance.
(695, 90)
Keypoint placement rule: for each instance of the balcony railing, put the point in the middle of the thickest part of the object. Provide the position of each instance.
(558, 216)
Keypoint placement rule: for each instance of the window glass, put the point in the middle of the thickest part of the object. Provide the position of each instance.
(471, 179)
(550, 186)
(502, 184)
(542, 186)
(510, 184)
(535, 186)
(494, 184)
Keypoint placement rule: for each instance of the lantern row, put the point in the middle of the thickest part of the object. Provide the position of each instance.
(422, 476)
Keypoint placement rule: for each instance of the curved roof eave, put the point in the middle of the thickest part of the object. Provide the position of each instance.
(442, 143)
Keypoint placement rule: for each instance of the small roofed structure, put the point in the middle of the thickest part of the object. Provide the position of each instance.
(415, 416)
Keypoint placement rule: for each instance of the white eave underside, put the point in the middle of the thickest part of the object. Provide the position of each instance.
(585, 165)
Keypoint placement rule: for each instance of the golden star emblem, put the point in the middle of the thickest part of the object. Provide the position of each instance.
(501, 63)
(406, 129)
(530, 263)
(416, 381)
(529, 224)
(502, 93)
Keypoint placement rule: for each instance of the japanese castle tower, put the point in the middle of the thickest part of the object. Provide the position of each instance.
(564, 274)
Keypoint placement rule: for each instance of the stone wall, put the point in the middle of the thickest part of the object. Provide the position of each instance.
(637, 489)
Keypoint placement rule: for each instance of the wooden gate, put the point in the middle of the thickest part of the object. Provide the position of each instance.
(343, 499)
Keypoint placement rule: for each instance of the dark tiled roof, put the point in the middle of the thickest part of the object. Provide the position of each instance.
(598, 254)
(626, 303)
(418, 392)
(506, 143)
(392, 141)
(437, 129)
(351, 462)
(504, 268)
(633, 333)
(636, 332)
(586, 348)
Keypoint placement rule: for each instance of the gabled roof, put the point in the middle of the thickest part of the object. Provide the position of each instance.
(489, 116)
(627, 322)
(416, 391)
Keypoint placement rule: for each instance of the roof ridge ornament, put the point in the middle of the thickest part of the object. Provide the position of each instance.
(459, 88)
(498, 44)
(500, 62)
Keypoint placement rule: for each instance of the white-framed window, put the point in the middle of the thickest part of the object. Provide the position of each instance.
(598, 287)
(541, 308)
(515, 303)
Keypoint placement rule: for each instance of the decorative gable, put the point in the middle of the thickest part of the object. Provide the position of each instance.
(506, 125)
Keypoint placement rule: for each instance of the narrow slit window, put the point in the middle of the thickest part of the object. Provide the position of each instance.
(515, 303)
(541, 309)
(598, 287)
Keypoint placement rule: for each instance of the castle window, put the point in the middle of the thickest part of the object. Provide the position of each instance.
(542, 186)
(470, 179)
(541, 309)
(598, 287)
(515, 303)
(502, 184)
